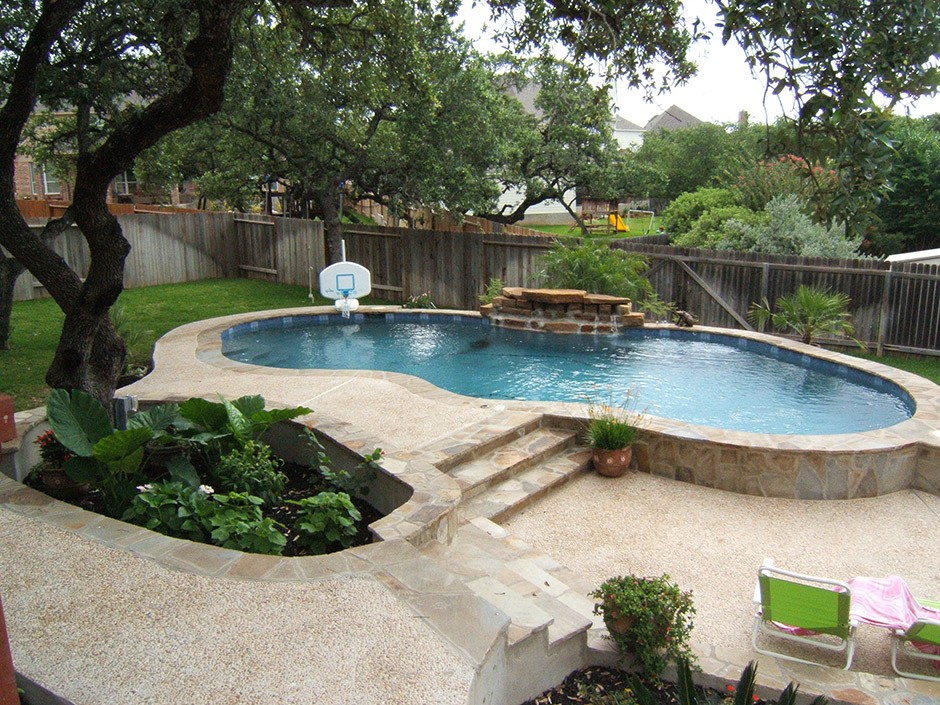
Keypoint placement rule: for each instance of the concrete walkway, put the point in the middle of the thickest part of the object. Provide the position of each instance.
(103, 612)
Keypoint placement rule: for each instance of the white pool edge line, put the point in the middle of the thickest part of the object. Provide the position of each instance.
(926, 394)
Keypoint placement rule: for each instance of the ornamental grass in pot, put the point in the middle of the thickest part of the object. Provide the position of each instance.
(611, 433)
(649, 617)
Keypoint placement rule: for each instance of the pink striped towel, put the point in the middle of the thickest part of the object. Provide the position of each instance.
(889, 603)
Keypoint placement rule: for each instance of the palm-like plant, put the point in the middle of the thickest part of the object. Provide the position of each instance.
(808, 312)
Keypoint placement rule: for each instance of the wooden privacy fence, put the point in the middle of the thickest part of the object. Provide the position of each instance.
(452, 267)
(169, 248)
(893, 307)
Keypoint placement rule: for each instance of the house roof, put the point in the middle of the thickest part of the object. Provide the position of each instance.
(672, 118)
(623, 124)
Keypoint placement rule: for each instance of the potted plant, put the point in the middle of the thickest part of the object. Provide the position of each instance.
(611, 433)
(648, 617)
(54, 456)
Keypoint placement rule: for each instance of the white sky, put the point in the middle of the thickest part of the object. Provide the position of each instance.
(721, 89)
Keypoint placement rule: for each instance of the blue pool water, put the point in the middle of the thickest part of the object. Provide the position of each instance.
(702, 378)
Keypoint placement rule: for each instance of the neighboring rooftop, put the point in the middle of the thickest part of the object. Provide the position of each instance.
(673, 118)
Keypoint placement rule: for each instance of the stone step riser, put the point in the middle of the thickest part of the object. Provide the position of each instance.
(488, 446)
(501, 474)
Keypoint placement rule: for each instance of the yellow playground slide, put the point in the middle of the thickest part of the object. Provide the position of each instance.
(617, 222)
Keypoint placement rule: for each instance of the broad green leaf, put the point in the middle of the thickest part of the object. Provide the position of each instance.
(128, 464)
(238, 422)
(120, 444)
(182, 470)
(249, 405)
(159, 418)
(78, 419)
(205, 414)
(269, 417)
(82, 469)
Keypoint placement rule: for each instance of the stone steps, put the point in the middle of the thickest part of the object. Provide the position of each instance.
(510, 458)
(502, 500)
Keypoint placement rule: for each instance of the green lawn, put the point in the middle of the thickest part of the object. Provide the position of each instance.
(152, 311)
(638, 226)
(157, 309)
(925, 367)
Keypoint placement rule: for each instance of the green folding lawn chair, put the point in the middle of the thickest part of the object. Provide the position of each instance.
(804, 609)
(904, 642)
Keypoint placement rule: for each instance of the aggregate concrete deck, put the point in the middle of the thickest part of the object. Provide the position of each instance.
(101, 612)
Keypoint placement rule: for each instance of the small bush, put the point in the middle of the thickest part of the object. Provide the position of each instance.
(237, 523)
(171, 508)
(788, 230)
(251, 468)
(596, 268)
(708, 230)
(493, 289)
(327, 520)
(689, 207)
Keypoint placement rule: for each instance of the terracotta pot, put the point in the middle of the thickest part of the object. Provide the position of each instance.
(618, 626)
(612, 463)
(60, 485)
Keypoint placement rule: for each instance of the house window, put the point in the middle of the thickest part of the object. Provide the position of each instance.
(125, 184)
(33, 178)
(50, 182)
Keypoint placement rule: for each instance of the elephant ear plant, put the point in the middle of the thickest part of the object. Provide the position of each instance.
(109, 460)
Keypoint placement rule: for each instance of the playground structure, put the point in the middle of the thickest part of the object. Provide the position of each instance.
(609, 218)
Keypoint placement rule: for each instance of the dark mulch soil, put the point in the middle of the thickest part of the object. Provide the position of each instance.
(597, 685)
(299, 485)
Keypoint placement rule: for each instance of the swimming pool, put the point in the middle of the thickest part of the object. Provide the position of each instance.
(705, 379)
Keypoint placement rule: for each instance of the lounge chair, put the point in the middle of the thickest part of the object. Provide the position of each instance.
(805, 609)
(923, 632)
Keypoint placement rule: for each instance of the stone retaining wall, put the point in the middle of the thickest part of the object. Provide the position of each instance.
(561, 311)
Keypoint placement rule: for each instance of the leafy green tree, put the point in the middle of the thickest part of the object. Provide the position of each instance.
(845, 63)
(130, 74)
(564, 146)
(910, 212)
(682, 213)
(392, 106)
(679, 161)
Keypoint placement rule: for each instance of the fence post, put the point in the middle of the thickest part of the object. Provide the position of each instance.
(764, 291)
(883, 321)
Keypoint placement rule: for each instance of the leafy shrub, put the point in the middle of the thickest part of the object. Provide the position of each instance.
(708, 232)
(493, 289)
(596, 268)
(326, 520)
(322, 464)
(658, 615)
(788, 230)
(760, 182)
(237, 523)
(171, 508)
(808, 312)
(419, 301)
(682, 213)
(251, 468)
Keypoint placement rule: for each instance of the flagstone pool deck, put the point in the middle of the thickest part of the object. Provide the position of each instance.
(104, 612)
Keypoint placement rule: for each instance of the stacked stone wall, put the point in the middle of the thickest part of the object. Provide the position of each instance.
(561, 311)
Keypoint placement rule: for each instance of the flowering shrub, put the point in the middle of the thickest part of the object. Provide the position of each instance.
(51, 450)
(657, 615)
(789, 174)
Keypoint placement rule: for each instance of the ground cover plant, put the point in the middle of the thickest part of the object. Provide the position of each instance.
(220, 483)
(153, 311)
